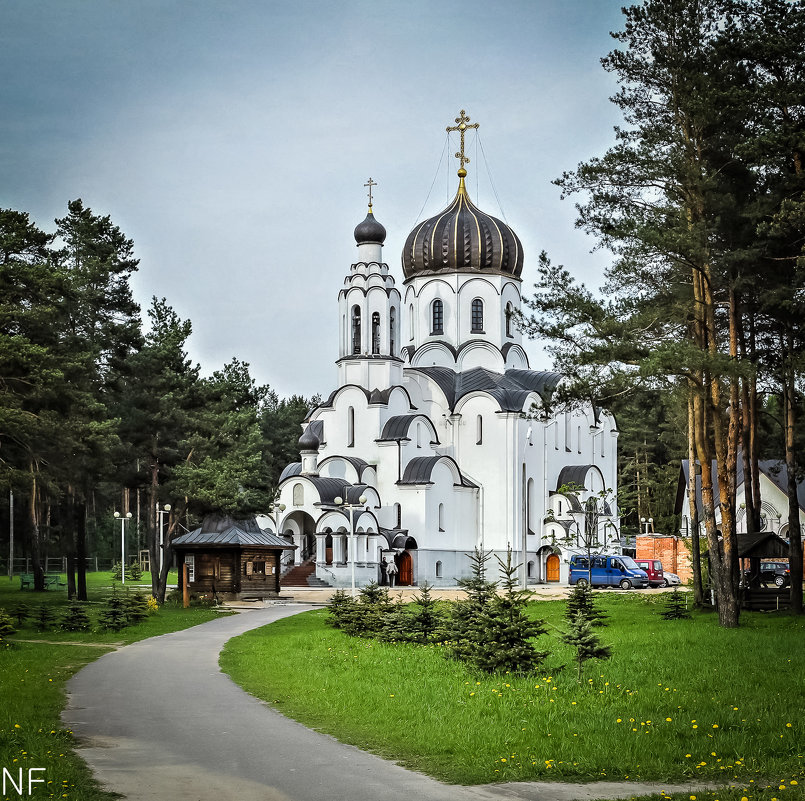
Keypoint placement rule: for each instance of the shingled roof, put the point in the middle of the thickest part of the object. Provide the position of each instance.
(222, 530)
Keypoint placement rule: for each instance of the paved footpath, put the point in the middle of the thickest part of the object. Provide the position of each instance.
(158, 720)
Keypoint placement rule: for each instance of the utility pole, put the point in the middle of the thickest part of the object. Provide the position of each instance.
(11, 534)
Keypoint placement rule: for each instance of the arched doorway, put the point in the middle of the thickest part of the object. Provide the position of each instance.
(405, 566)
(552, 568)
(328, 548)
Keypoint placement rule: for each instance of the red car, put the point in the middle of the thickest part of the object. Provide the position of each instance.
(653, 568)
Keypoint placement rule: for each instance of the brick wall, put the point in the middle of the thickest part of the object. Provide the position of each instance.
(671, 551)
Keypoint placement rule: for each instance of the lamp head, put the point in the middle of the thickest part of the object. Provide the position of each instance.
(362, 499)
(167, 507)
(117, 514)
(128, 515)
(338, 500)
(282, 507)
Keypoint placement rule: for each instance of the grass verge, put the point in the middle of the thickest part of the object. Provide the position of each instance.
(32, 679)
(682, 700)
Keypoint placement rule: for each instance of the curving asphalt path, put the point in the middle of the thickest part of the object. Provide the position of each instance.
(158, 720)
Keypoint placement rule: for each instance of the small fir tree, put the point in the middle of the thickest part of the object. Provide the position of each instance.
(136, 607)
(464, 631)
(371, 610)
(586, 642)
(75, 617)
(582, 599)
(6, 627)
(506, 630)
(21, 612)
(426, 620)
(341, 608)
(44, 618)
(675, 607)
(134, 572)
(113, 615)
(117, 571)
(397, 623)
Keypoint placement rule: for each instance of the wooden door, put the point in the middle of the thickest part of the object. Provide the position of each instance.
(552, 568)
(405, 565)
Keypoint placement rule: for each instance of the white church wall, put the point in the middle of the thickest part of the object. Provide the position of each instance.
(480, 354)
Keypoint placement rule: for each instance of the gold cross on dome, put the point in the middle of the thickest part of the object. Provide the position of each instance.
(461, 127)
(370, 183)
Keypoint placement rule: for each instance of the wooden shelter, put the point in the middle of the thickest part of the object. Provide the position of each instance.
(231, 559)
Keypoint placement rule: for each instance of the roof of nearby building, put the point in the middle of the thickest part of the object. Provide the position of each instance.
(761, 545)
(222, 530)
(774, 469)
(509, 389)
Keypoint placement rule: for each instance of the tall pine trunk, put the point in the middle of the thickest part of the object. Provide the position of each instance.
(794, 529)
(695, 549)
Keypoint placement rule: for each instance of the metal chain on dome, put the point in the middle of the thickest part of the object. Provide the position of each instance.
(491, 182)
(433, 183)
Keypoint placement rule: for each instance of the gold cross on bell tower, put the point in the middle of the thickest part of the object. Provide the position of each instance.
(462, 127)
(370, 183)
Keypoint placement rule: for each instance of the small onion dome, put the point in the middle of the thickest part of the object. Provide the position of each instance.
(308, 441)
(370, 231)
(460, 239)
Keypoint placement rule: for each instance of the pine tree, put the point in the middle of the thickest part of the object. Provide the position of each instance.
(341, 609)
(21, 612)
(136, 605)
(75, 617)
(6, 627)
(113, 615)
(505, 630)
(426, 621)
(583, 600)
(463, 630)
(134, 571)
(44, 618)
(586, 642)
(675, 607)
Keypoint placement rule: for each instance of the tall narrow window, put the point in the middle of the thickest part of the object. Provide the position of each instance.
(509, 313)
(567, 431)
(438, 318)
(375, 333)
(418, 435)
(298, 495)
(392, 332)
(356, 329)
(578, 441)
(398, 515)
(477, 316)
(438, 569)
(603, 444)
(190, 561)
(350, 427)
(411, 321)
(479, 430)
(441, 517)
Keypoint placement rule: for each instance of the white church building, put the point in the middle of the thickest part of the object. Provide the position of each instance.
(436, 439)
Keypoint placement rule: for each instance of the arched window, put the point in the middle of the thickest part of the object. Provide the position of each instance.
(479, 430)
(437, 316)
(398, 515)
(509, 313)
(350, 427)
(438, 570)
(411, 321)
(392, 332)
(375, 333)
(298, 495)
(418, 435)
(441, 517)
(477, 316)
(579, 440)
(531, 570)
(356, 329)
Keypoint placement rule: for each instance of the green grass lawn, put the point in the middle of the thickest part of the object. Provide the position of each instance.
(678, 700)
(32, 678)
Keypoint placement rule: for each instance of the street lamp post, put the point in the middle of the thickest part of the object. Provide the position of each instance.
(344, 504)
(649, 524)
(162, 512)
(123, 521)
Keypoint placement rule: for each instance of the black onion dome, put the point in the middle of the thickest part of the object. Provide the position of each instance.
(308, 441)
(370, 230)
(462, 238)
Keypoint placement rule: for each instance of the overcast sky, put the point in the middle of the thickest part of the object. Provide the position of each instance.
(231, 141)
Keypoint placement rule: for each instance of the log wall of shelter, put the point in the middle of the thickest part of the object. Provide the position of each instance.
(259, 571)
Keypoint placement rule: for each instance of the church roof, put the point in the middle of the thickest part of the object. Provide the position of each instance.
(396, 427)
(510, 389)
(370, 230)
(419, 470)
(293, 469)
(462, 238)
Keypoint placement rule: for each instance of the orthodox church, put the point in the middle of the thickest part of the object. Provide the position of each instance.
(437, 439)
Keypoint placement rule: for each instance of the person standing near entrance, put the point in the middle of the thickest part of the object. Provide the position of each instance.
(384, 568)
(391, 571)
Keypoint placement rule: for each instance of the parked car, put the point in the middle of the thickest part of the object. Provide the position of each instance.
(777, 573)
(607, 571)
(653, 568)
(671, 579)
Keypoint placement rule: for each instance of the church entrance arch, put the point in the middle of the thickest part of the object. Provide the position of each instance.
(303, 529)
(552, 568)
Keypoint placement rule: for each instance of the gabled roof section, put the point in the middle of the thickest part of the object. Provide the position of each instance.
(220, 531)
(420, 469)
(509, 389)
(396, 428)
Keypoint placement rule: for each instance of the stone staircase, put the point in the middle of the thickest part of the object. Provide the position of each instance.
(302, 576)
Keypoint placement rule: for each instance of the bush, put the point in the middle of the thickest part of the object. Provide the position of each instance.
(6, 627)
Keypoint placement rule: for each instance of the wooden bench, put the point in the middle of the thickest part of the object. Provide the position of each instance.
(51, 580)
(26, 580)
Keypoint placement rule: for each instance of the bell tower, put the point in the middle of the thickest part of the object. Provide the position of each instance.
(369, 313)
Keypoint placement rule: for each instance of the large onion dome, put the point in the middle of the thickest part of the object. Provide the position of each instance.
(462, 238)
(370, 231)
